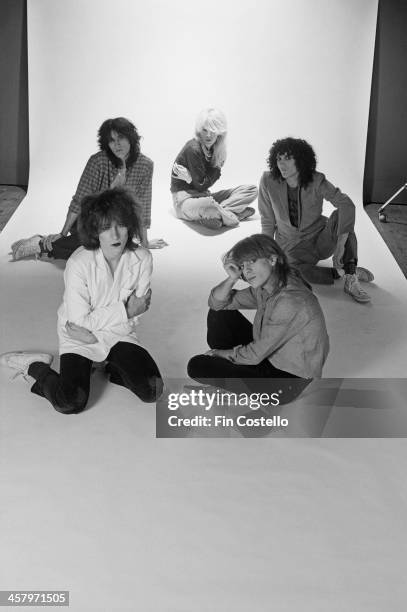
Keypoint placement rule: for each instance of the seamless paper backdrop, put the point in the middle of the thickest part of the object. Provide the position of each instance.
(130, 522)
(301, 68)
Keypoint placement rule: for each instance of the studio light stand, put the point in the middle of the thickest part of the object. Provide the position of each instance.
(382, 215)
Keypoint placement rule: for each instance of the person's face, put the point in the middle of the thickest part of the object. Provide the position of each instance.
(119, 145)
(207, 137)
(287, 166)
(259, 272)
(113, 240)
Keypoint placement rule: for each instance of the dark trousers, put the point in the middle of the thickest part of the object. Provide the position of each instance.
(227, 329)
(129, 365)
(305, 255)
(63, 247)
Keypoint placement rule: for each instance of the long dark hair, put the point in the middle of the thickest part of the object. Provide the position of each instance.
(99, 210)
(125, 128)
(303, 154)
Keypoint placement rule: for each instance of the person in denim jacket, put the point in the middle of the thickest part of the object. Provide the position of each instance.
(288, 339)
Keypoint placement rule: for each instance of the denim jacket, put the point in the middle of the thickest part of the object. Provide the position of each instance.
(289, 328)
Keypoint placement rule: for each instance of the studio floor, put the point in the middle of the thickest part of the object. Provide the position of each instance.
(95, 504)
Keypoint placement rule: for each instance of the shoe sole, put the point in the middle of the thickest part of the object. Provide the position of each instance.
(365, 275)
(360, 300)
(212, 224)
(246, 213)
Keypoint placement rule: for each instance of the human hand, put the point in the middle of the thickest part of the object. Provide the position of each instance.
(182, 173)
(48, 240)
(337, 258)
(224, 353)
(232, 269)
(157, 243)
(81, 334)
(120, 178)
(137, 305)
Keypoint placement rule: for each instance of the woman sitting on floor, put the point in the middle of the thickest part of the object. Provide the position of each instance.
(119, 163)
(197, 167)
(288, 339)
(106, 288)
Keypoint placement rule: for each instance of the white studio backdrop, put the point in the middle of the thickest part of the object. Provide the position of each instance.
(301, 68)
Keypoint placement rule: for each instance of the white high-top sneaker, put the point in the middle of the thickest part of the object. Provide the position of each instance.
(21, 360)
(26, 247)
(353, 288)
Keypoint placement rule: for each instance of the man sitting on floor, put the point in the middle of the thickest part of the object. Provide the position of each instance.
(291, 196)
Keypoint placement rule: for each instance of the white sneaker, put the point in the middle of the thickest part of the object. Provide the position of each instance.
(245, 214)
(213, 223)
(26, 248)
(364, 275)
(20, 361)
(353, 288)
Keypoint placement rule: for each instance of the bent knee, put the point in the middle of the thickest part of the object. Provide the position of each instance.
(195, 366)
(152, 391)
(73, 403)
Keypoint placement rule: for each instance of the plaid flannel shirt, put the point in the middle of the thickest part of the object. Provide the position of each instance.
(99, 174)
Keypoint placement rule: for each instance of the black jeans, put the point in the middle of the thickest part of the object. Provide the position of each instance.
(227, 329)
(63, 247)
(129, 365)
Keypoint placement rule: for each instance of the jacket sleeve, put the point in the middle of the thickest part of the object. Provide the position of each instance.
(78, 302)
(285, 322)
(268, 219)
(89, 183)
(238, 299)
(345, 206)
(144, 195)
(202, 178)
(146, 270)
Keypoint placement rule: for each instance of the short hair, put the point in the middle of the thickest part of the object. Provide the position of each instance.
(303, 154)
(215, 120)
(260, 246)
(101, 209)
(125, 128)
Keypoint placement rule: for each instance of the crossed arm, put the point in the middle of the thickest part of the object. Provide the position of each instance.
(84, 321)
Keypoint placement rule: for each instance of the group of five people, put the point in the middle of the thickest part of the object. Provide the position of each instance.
(107, 276)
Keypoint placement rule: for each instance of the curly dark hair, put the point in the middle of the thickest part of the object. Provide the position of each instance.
(100, 209)
(303, 154)
(258, 246)
(125, 128)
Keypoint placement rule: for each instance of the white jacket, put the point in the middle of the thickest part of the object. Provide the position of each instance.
(95, 299)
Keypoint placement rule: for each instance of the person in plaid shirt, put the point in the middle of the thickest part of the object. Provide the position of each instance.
(119, 163)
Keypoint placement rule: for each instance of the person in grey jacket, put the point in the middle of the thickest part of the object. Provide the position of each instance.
(288, 339)
(291, 196)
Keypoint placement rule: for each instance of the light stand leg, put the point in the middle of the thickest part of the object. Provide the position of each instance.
(383, 216)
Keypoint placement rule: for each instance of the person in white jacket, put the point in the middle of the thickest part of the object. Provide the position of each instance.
(107, 287)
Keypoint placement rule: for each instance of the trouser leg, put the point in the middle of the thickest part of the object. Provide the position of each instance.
(67, 391)
(261, 378)
(327, 241)
(196, 208)
(236, 199)
(305, 255)
(63, 247)
(228, 328)
(131, 366)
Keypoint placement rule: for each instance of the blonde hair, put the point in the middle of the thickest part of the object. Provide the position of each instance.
(214, 120)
